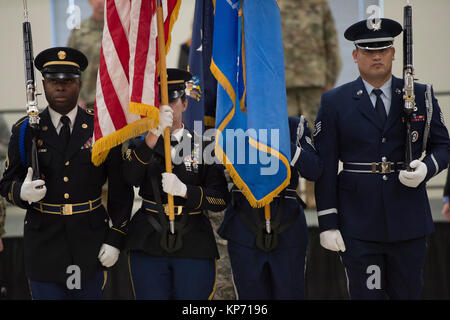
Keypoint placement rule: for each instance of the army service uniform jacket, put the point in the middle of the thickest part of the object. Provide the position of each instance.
(206, 190)
(375, 206)
(54, 237)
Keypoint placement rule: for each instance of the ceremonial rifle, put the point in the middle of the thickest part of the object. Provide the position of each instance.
(30, 89)
(408, 78)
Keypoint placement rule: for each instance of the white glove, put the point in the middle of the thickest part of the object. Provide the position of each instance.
(32, 191)
(414, 178)
(108, 255)
(165, 120)
(332, 240)
(172, 185)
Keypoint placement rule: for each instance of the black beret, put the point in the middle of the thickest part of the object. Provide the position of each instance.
(373, 34)
(61, 62)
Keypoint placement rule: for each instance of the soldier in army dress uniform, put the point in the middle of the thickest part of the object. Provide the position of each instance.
(179, 265)
(374, 211)
(67, 237)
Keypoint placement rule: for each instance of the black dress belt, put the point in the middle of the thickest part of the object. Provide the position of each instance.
(374, 167)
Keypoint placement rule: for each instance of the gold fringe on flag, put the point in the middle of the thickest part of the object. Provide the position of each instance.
(102, 146)
(220, 154)
(145, 110)
(239, 182)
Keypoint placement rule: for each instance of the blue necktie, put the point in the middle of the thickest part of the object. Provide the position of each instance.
(379, 106)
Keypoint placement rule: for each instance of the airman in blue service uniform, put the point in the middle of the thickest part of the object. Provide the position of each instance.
(179, 265)
(272, 265)
(374, 211)
(67, 237)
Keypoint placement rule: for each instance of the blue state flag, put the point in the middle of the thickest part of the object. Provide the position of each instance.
(251, 117)
(202, 104)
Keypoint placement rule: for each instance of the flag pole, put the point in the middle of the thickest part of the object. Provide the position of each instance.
(164, 101)
(267, 217)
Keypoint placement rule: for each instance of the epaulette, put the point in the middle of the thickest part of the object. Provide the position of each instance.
(18, 123)
(90, 111)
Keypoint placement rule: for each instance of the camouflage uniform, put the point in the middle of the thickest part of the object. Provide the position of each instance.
(311, 58)
(4, 139)
(88, 39)
(224, 282)
(2, 216)
(311, 53)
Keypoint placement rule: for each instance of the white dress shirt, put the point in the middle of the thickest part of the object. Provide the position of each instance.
(386, 96)
(56, 118)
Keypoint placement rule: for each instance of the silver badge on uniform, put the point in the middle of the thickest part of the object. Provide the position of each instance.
(309, 141)
(196, 157)
(414, 136)
(374, 24)
(191, 161)
(187, 163)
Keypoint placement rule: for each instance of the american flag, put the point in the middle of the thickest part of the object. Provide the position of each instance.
(127, 81)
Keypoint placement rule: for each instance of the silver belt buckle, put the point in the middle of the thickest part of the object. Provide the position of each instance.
(385, 166)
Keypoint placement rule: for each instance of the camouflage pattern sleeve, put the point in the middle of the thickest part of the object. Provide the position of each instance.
(2, 216)
(88, 39)
(334, 61)
(311, 51)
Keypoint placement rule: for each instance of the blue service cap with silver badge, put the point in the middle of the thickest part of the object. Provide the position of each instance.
(373, 34)
(61, 63)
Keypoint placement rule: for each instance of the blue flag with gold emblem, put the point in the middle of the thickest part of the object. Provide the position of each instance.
(202, 103)
(251, 117)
